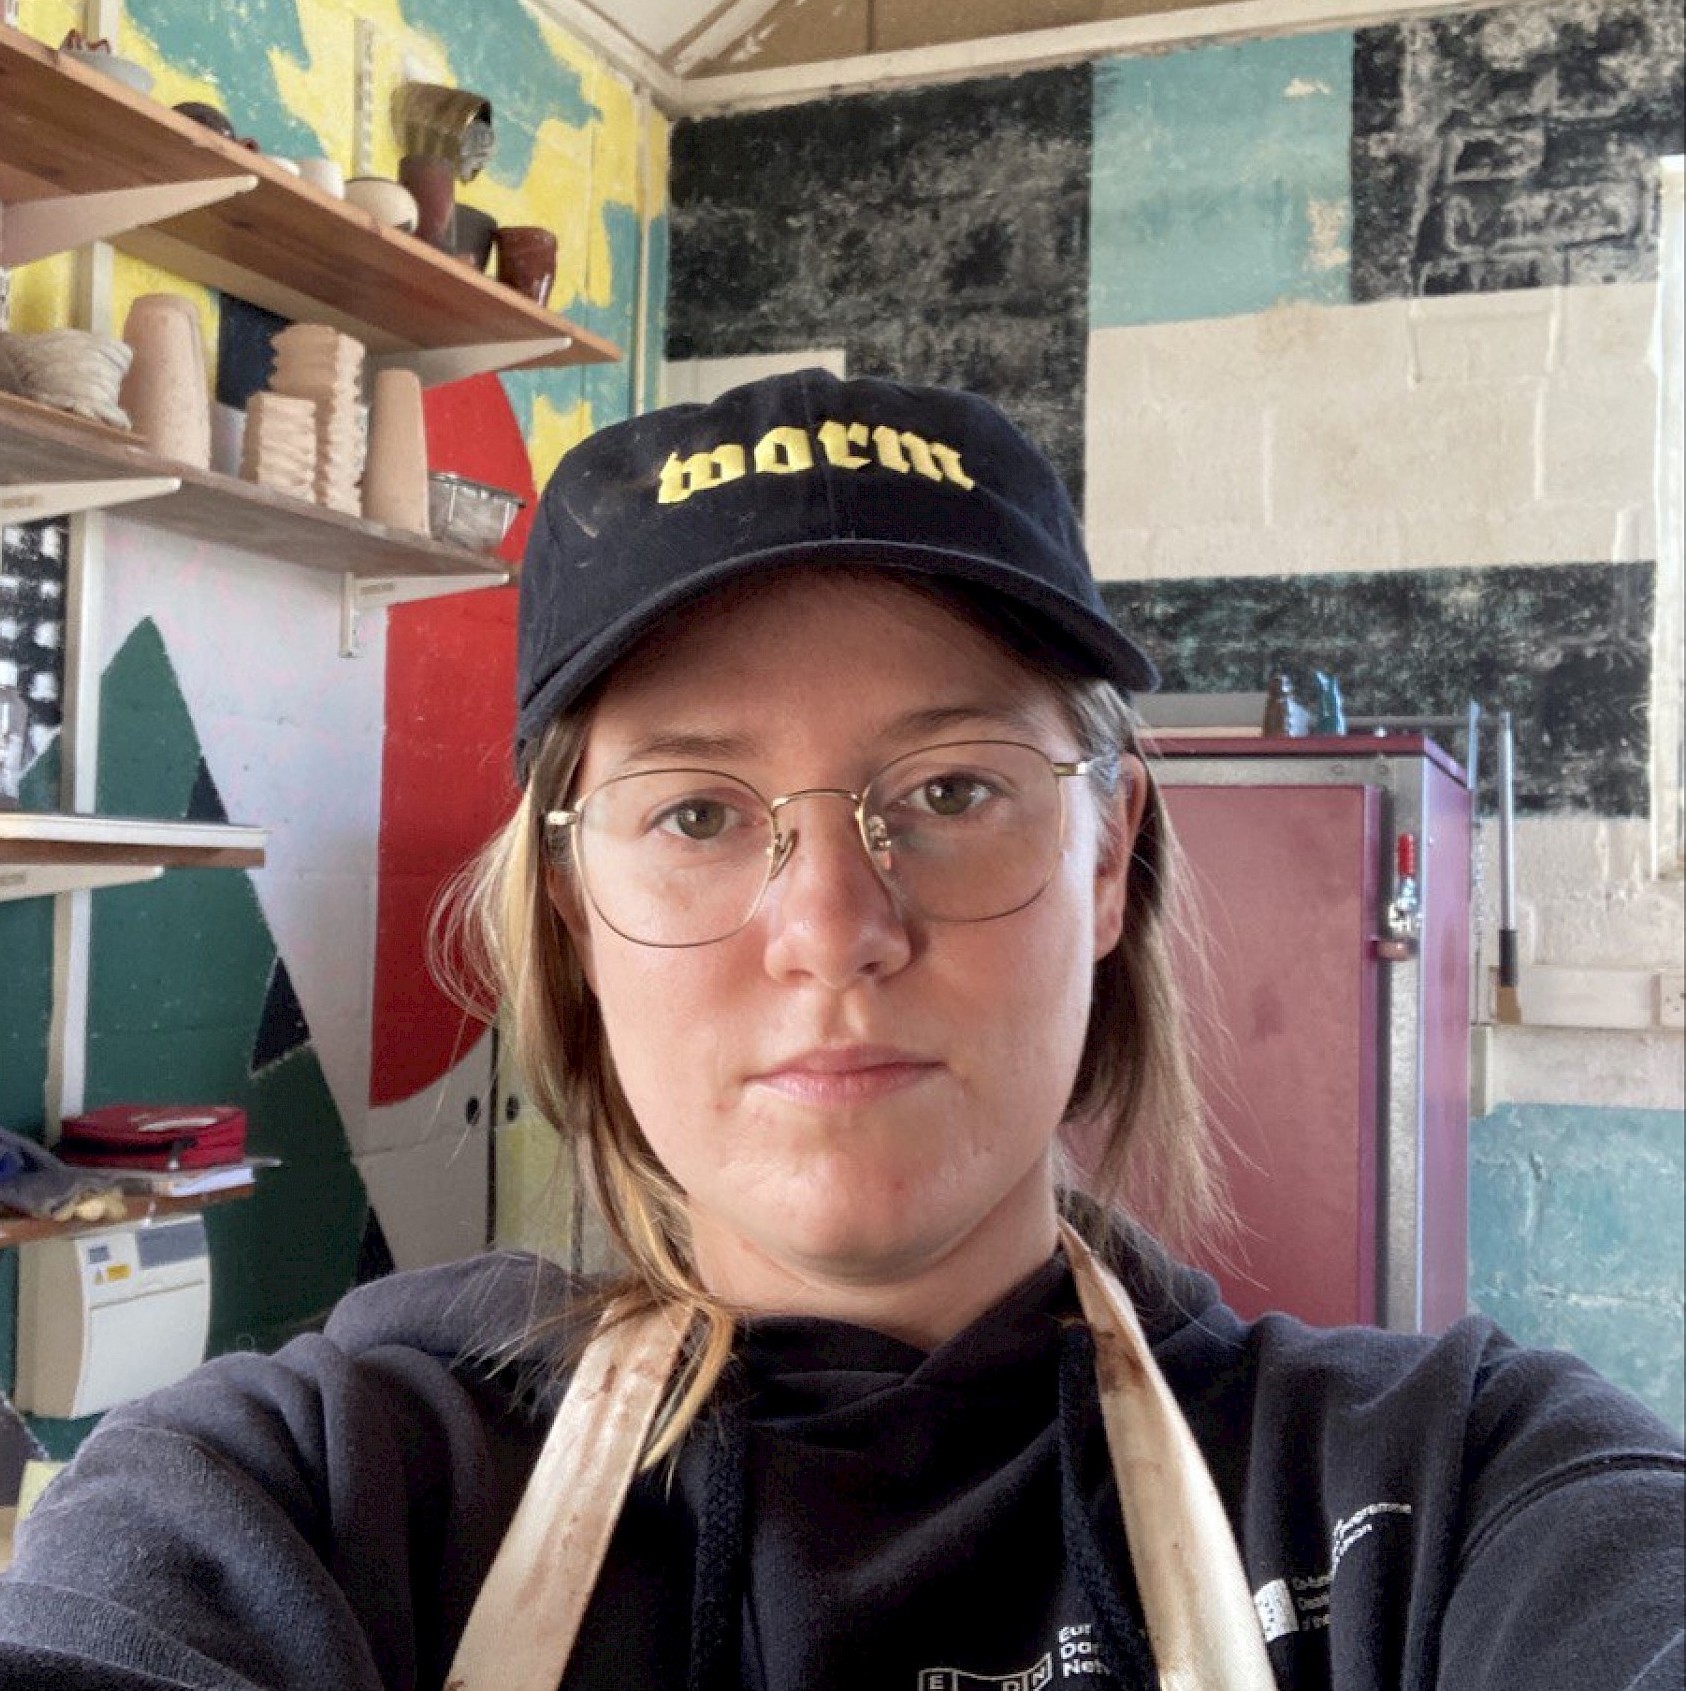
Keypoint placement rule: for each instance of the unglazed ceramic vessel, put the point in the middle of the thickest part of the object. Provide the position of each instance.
(395, 474)
(166, 392)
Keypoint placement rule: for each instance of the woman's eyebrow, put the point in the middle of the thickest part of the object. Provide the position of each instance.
(945, 719)
(693, 747)
(688, 746)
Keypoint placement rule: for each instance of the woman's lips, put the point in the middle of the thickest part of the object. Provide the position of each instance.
(845, 1075)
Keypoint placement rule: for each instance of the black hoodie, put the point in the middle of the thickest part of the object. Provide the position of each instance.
(1452, 1513)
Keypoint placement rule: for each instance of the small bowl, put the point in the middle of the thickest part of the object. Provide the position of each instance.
(469, 513)
(386, 201)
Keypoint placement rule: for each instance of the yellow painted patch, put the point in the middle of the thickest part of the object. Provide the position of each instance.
(535, 1189)
(43, 294)
(556, 429)
(49, 20)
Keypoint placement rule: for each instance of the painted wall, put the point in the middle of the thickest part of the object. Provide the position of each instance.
(1366, 385)
(301, 990)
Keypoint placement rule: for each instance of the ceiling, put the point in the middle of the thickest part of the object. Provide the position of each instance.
(706, 55)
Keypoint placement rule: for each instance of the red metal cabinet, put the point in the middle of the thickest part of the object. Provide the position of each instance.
(1338, 1074)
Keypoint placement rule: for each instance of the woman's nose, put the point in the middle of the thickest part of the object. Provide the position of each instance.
(827, 913)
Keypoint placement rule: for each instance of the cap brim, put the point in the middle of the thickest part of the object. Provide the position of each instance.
(1113, 655)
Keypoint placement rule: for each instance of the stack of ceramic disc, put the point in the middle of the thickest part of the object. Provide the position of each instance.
(315, 362)
(70, 369)
(280, 444)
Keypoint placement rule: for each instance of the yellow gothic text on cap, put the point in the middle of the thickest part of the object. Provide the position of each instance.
(788, 450)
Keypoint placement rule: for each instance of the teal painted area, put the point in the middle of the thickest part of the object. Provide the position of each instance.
(606, 388)
(1222, 181)
(496, 48)
(1578, 1238)
(26, 1008)
(179, 972)
(235, 56)
(26, 982)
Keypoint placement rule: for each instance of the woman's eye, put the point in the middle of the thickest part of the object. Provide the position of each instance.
(697, 819)
(951, 795)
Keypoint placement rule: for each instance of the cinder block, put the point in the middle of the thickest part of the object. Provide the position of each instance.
(1498, 337)
(430, 1198)
(1597, 439)
(1608, 329)
(1338, 453)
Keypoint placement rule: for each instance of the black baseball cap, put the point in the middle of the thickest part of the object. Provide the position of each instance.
(652, 514)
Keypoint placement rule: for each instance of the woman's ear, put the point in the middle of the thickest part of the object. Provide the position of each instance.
(562, 889)
(1121, 820)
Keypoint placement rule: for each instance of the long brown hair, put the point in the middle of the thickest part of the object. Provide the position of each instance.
(1133, 1102)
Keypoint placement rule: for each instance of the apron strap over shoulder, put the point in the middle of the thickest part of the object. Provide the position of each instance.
(525, 1620)
(1200, 1616)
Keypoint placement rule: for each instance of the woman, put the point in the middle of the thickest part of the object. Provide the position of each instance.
(836, 888)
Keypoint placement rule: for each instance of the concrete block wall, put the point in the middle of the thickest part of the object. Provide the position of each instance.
(1367, 384)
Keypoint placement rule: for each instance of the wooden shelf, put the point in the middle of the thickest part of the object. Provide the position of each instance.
(57, 839)
(25, 1229)
(43, 853)
(38, 443)
(285, 245)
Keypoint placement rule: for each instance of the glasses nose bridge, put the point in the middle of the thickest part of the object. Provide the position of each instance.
(784, 842)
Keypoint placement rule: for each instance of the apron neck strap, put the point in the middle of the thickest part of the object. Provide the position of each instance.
(1200, 1617)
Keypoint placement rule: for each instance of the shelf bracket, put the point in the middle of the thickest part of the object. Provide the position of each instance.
(43, 880)
(372, 593)
(31, 229)
(438, 364)
(35, 501)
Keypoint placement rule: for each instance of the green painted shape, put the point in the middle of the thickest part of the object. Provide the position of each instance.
(26, 1012)
(235, 55)
(26, 984)
(1578, 1238)
(179, 971)
(1214, 171)
(497, 49)
(149, 752)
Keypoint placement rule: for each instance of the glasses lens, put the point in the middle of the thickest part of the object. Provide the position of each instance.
(674, 856)
(966, 831)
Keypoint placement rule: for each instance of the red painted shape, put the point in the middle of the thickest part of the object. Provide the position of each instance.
(446, 781)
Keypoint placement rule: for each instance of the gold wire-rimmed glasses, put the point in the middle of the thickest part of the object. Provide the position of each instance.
(965, 831)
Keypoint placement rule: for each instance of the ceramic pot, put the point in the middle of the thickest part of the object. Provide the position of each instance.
(385, 201)
(433, 185)
(166, 392)
(448, 123)
(395, 470)
(473, 238)
(324, 174)
(527, 260)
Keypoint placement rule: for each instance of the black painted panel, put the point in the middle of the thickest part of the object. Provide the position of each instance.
(1564, 647)
(34, 560)
(1513, 148)
(937, 235)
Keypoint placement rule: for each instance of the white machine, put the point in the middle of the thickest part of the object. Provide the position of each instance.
(108, 1316)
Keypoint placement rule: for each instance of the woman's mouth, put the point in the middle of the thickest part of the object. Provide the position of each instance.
(843, 1075)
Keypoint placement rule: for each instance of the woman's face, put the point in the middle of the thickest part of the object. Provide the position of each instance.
(859, 1105)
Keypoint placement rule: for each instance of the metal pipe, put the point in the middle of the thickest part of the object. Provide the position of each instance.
(1509, 1006)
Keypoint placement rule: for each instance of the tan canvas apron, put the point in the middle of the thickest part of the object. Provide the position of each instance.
(1200, 1617)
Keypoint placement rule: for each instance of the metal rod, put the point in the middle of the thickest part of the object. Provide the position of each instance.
(1509, 1006)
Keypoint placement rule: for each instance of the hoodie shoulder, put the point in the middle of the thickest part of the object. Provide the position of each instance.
(502, 1303)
